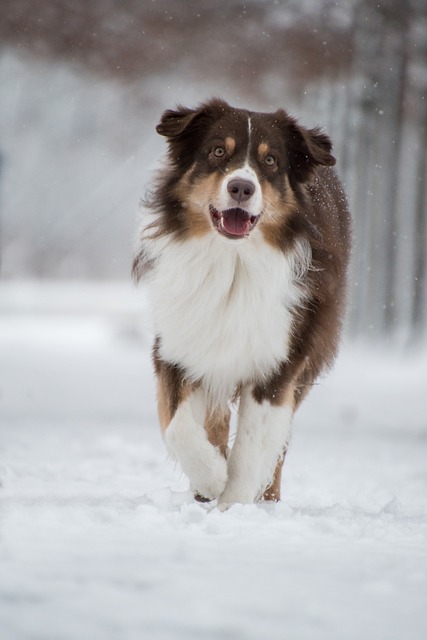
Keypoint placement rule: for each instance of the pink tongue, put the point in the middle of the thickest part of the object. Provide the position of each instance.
(236, 222)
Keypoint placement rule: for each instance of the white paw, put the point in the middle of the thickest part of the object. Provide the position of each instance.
(229, 497)
(209, 480)
(224, 506)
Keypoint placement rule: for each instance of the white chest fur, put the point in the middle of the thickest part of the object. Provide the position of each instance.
(223, 309)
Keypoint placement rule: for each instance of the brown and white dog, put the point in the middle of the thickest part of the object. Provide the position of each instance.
(244, 245)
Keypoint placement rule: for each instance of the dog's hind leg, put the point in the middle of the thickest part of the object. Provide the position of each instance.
(272, 493)
(217, 425)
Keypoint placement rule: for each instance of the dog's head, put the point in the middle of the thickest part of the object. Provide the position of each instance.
(235, 170)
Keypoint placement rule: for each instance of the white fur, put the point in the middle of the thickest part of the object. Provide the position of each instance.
(263, 434)
(222, 309)
(249, 138)
(188, 443)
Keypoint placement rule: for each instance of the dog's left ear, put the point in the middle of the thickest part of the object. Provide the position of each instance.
(306, 148)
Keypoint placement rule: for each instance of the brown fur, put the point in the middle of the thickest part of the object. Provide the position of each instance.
(230, 145)
(217, 425)
(172, 387)
(272, 493)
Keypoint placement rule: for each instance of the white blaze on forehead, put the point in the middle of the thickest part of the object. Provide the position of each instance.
(254, 204)
(249, 139)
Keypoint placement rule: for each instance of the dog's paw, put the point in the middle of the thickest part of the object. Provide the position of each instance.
(224, 506)
(208, 482)
(199, 498)
(235, 495)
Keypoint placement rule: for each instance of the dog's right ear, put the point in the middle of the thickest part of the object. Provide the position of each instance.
(179, 122)
(174, 122)
(185, 129)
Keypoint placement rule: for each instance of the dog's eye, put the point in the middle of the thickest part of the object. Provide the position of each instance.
(219, 152)
(270, 161)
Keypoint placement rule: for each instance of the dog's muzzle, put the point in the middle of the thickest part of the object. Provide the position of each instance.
(233, 223)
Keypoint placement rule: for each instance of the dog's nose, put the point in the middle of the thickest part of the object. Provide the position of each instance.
(241, 190)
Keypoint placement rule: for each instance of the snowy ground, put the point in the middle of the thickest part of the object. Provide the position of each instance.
(100, 540)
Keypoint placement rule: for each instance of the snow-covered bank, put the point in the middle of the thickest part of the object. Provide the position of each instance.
(100, 539)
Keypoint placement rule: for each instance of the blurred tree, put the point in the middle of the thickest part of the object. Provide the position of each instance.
(358, 68)
(132, 39)
(419, 306)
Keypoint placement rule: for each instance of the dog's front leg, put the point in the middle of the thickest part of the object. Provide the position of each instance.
(187, 441)
(263, 433)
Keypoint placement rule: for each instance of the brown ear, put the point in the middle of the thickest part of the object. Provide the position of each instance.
(185, 129)
(306, 148)
(174, 122)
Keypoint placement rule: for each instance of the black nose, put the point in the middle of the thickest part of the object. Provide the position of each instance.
(241, 190)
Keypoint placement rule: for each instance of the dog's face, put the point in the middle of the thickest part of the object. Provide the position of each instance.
(238, 170)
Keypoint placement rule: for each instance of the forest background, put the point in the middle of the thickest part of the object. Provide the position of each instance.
(83, 83)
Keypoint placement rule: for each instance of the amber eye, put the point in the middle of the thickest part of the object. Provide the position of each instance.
(270, 161)
(219, 152)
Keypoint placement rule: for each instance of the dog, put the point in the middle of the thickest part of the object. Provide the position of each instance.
(244, 246)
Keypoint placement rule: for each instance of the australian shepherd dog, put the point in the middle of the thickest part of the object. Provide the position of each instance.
(244, 246)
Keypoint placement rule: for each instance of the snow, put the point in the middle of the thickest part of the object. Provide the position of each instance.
(100, 538)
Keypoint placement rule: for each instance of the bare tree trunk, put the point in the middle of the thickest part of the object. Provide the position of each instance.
(394, 89)
(361, 157)
(419, 305)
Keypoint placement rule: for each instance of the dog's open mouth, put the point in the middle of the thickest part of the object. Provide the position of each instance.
(233, 223)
